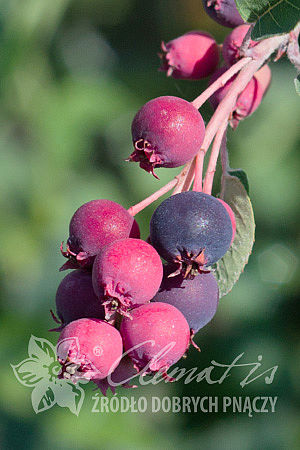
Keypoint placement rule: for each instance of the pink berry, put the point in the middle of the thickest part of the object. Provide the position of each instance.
(88, 349)
(232, 218)
(121, 376)
(157, 336)
(129, 271)
(76, 299)
(223, 12)
(232, 44)
(247, 102)
(192, 56)
(94, 225)
(263, 76)
(166, 132)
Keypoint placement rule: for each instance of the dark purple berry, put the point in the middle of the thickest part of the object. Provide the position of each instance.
(94, 225)
(224, 12)
(121, 376)
(157, 336)
(129, 272)
(197, 297)
(88, 349)
(166, 132)
(193, 56)
(76, 299)
(191, 229)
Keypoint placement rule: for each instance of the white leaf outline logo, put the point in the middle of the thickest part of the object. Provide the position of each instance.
(39, 371)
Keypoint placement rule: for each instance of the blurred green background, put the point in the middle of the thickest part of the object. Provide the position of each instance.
(73, 74)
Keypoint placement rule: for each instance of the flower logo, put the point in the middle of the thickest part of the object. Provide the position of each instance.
(40, 371)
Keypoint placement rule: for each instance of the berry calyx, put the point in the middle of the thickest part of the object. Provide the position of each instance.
(121, 376)
(192, 56)
(88, 349)
(197, 298)
(166, 132)
(231, 48)
(129, 273)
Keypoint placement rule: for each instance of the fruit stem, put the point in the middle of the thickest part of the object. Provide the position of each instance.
(224, 157)
(220, 82)
(246, 42)
(259, 54)
(199, 172)
(220, 139)
(185, 178)
(133, 210)
(216, 127)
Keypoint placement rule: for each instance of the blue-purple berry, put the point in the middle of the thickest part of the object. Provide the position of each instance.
(191, 229)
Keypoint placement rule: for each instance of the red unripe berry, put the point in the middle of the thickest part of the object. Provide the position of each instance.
(264, 76)
(166, 132)
(232, 218)
(88, 349)
(232, 44)
(129, 271)
(193, 56)
(94, 225)
(157, 336)
(247, 102)
(223, 12)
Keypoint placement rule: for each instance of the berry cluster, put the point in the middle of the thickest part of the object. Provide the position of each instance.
(120, 297)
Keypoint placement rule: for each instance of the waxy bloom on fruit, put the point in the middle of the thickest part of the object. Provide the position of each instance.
(224, 12)
(166, 132)
(197, 297)
(263, 76)
(156, 338)
(129, 273)
(191, 229)
(94, 225)
(76, 299)
(88, 349)
(193, 56)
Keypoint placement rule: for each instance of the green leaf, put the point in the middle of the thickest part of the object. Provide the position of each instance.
(242, 176)
(270, 16)
(230, 267)
(297, 84)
